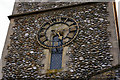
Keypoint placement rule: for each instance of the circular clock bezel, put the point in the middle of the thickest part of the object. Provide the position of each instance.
(66, 43)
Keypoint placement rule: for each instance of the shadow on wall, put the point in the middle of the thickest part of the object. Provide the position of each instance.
(0, 69)
(119, 15)
(118, 19)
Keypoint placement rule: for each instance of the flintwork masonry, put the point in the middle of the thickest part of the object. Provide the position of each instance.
(89, 52)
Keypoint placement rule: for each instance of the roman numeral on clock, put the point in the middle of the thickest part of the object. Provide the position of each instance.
(42, 38)
(58, 20)
(73, 28)
(65, 20)
(51, 22)
(70, 23)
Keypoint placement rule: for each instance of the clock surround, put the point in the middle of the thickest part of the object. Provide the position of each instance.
(58, 26)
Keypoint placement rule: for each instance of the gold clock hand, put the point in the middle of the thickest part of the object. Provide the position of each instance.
(60, 37)
(58, 33)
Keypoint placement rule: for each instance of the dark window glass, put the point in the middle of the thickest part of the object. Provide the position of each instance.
(56, 55)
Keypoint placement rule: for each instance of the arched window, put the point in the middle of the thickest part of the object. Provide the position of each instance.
(56, 54)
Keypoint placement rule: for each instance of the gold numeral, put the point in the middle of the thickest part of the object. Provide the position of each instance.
(43, 38)
(58, 20)
(50, 22)
(66, 20)
(70, 23)
(73, 26)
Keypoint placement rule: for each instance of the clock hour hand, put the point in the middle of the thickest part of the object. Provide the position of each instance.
(60, 37)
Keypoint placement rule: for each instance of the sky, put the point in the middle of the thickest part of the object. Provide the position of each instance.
(6, 8)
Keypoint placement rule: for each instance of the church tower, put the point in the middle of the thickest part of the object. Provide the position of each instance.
(61, 40)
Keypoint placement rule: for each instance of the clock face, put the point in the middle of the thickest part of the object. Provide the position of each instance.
(57, 32)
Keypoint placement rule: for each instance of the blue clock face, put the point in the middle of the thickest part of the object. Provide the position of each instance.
(57, 32)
